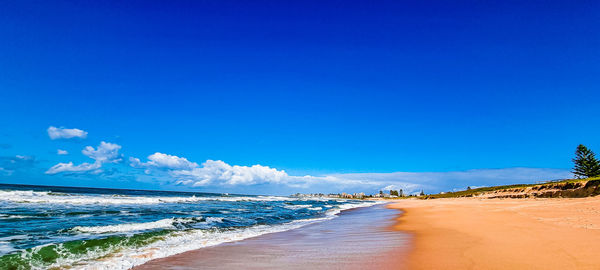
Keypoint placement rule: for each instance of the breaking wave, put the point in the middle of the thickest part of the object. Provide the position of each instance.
(81, 228)
(127, 251)
(168, 223)
(30, 196)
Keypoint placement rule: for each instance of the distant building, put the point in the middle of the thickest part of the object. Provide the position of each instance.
(342, 195)
(358, 195)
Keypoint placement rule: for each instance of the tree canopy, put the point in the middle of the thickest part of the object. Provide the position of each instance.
(586, 164)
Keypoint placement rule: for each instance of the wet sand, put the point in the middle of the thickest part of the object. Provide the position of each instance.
(502, 234)
(360, 238)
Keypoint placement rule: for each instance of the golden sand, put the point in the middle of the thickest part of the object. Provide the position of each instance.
(471, 233)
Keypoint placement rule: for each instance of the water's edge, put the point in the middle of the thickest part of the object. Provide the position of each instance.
(359, 238)
(45, 227)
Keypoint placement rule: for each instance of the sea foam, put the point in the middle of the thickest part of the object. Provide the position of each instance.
(29, 196)
(179, 242)
(168, 223)
(124, 229)
(121, 255)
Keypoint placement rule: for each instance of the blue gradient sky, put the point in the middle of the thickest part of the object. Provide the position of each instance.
(313, 87)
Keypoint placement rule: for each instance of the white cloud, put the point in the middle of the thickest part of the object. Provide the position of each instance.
(220, 173)
(104, 153)
(24, 157)
(216, 173)
(66, 133)
(69, 167)
(164, 161)
(62, 152)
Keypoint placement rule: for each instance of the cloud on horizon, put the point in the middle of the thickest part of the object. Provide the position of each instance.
(65, 133)
(217, 174)
(433, 182)
(220, 174)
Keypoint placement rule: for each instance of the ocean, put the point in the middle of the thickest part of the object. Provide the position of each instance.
(45, 227)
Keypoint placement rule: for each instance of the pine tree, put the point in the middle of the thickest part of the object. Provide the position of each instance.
(422, 193)
(586, 164)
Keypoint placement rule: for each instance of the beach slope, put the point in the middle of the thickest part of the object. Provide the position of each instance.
(471, 233)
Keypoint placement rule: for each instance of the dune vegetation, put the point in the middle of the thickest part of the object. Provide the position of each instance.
(568, 188)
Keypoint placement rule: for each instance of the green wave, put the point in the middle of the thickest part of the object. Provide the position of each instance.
(77, 251)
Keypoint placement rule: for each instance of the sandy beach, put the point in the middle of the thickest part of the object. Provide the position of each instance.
(461, 233)
(502, 234)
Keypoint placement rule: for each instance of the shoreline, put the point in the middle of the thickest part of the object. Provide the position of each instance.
(455, 233)
(472, 233)
(359, 238)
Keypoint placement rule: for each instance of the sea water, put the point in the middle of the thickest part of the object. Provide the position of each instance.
(87, 228)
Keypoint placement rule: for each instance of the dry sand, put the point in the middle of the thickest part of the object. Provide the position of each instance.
(475, 233)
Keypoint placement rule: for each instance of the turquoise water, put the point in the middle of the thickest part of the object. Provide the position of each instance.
(44, 227)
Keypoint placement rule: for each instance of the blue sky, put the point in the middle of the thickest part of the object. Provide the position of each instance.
(349, 93)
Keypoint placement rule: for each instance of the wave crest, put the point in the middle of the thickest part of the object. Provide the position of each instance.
(30, 196)
(168, 223)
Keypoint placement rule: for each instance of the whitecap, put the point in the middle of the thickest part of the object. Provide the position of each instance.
(168, 223)
(297, 206)
(126, 257)
(214, 219)
(30, 196)
(5, 248)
